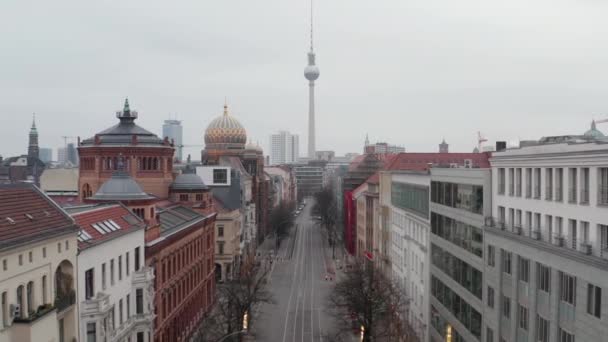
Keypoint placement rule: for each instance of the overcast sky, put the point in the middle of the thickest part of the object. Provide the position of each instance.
(409, 72)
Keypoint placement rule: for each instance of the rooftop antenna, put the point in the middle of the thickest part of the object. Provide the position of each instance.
(311, 25)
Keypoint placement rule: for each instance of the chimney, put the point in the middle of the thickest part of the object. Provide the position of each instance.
(501, 146)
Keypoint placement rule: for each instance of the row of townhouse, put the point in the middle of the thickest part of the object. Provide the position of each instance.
(513, 248)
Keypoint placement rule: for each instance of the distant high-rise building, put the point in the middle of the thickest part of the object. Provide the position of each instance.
(382, 147)
(72, 154)
(62, 155)
(284, 148)
(311, 72)
(46, 154)
(173, 130)
(444, 147)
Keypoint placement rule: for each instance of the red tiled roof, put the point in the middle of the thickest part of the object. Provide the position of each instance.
(117, 213)
(374, 179)
(421, 161)
(33, 216)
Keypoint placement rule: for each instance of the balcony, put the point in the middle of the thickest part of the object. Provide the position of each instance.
(42, 311)
(572, 195)
(602, 195)
(558, 194)
(143, 276)
(584, 196)
(537, 192)
(548, 193)
(586, 248)
(97, 305)
(558, 240)
(536, 235)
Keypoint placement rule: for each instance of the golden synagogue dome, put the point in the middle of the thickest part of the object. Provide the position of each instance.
(225, 132)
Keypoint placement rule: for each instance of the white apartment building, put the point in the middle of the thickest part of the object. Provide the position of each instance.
(38, 276)
(409, 241)
(284, 148)
(547, 245)
(115, 288)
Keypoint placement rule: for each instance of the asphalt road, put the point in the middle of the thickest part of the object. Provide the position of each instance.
(299, 287)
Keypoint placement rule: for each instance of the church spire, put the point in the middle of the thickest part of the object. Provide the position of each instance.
(32, 147)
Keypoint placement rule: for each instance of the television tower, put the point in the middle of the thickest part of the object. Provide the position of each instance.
(311, 72)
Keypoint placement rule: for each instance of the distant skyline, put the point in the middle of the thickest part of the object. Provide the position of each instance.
(406, 72)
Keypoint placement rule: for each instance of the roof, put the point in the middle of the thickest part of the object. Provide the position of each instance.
(229, 196)
(176, 218)
(225, 131)
(103, 222)
(59, 180)
(423, 161)
(28, 215)
(126, 132)
(120, 187)
(374, 179)
(188, 181)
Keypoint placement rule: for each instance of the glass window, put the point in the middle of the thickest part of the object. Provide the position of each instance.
(567, 288)
(506, 261)
(136, 253)
(524, 269)
(491, 255)
(565, 336)
(542, 329)
(506, 306)
(220, 176)
(490, 296)
(139, 301)
(543, 273)
(89, 281)
(91, 332)
(594, 300)
(523, 317)
(103, 276)
(489, 335)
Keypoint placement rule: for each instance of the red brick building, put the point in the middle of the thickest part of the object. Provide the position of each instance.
(131, 165)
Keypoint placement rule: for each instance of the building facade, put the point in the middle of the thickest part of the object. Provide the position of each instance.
(548, 239)
(309, 180)
(460, 201)
(284, 148)
(409, 217)
(38, 275)
(173, 130)
(115, 288)
(143, 155)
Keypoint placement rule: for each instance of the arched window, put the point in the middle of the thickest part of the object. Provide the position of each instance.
(44, 295)
(30, 297)
(20, 300)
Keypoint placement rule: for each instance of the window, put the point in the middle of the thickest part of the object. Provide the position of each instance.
(136, 259)
(119, 267)
(567, 288)
(120, 311)
(140, 336)
(30, 256)
(543, 274)
(501, 181)
(220, 247)
(542, 329)
(594, 300)
(489, 335)
(537, 183)
(490, 297)
(5, 313)
(103, 276)
(220, 231)
(89, 283)
(506, 306)
(220, 176)
(602, 183)
(183, 198)
(548, 184)
(91, 332)
(506, 261)
(518, 182)
(511, 181)
(44, 290)
(128, 300)
(565, 336)
(112, 272)
(67, 245)
(199, 197)
(524, 269)
(4, 265)
(30, 296)
(44, 252)
(20, 259)
(127, 263)
(572, 183)
(572, 233)
(139, 301)
(559, 181)
(584, 185)
(528, 182)
(523, 317)
(58, 247)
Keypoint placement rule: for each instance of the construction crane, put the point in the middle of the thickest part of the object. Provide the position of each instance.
(480, 139)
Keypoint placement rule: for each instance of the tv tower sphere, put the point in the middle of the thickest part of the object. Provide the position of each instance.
(311, 72)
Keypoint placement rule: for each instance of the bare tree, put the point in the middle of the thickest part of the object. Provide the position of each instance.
(281, 220)
(365, 301)
(236, 300)
(325, 209)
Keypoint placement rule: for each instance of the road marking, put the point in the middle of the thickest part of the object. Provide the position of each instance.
(293, 278)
